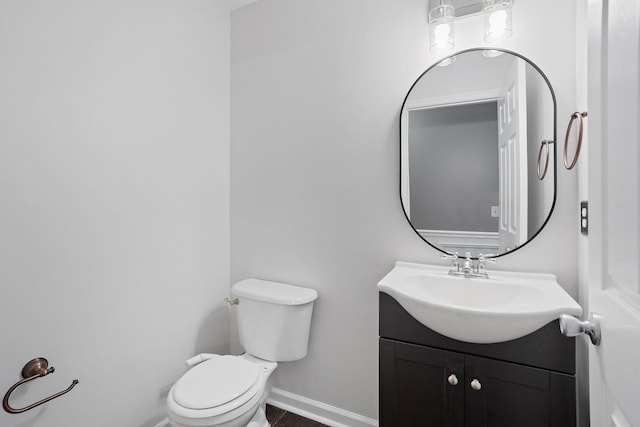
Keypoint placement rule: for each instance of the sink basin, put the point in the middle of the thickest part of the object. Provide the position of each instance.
(504, 307)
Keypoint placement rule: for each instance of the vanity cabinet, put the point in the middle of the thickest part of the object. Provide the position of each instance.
(427, 379)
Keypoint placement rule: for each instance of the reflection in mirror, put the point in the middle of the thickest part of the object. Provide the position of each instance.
(469, 142)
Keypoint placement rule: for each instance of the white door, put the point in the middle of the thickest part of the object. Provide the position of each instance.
(512, 160)
(614, 192)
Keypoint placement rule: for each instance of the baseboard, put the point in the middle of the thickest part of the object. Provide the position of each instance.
(317, 411)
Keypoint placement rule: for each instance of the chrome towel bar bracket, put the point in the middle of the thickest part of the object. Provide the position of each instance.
(35, 368)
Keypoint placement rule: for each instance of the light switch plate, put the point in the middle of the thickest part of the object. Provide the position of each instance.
(495, 211)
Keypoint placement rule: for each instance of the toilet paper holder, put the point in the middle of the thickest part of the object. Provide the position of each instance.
(35, 368)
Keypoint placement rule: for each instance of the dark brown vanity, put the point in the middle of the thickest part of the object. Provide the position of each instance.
(427, 379)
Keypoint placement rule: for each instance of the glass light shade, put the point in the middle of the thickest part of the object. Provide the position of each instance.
(441, 29)
(497, 20)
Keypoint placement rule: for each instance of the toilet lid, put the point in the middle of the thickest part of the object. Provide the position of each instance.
(215, 382)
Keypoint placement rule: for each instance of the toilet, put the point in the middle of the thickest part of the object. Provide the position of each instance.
(231, 391)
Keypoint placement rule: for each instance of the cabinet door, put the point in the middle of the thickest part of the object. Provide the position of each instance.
(500, 394)
(415, 386)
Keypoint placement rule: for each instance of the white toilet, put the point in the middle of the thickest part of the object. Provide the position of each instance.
(231, 391)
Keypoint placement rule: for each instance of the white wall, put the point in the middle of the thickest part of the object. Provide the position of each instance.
(114, 201)
(539, 128)
(472, 73)
(316, 92)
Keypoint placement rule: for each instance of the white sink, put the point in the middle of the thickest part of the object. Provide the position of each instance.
(504, 307)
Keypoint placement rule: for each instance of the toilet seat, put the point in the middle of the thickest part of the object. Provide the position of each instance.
(216, 382)
(217, 390)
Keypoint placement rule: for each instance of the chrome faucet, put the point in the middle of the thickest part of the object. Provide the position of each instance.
(470, 268)
(467, 265)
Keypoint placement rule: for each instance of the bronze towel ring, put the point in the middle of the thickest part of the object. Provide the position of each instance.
(544, 144)
(574, 116)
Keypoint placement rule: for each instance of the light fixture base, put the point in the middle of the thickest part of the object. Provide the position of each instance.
(462, 7)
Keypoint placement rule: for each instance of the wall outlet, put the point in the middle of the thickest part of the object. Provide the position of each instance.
(495, 211)
(584, 218)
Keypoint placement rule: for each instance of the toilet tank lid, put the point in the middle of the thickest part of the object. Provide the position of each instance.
(273, 292)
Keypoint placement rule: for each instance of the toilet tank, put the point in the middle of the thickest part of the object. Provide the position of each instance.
(274, 318)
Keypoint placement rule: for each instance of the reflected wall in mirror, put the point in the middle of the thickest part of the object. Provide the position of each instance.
(471, 135)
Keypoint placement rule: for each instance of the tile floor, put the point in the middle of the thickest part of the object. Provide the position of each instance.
(280, 418)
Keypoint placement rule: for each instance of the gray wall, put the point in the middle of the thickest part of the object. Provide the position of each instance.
(317, 88)
(453, 167)
(114, 207)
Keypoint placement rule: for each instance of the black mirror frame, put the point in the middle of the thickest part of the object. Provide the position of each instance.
(555, 139)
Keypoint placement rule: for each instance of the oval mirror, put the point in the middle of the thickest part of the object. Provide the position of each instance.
(476, 137)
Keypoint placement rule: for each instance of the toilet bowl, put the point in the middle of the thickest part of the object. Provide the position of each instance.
(231, 391)
(223, 391)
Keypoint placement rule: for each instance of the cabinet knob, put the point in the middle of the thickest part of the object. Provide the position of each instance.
(475, 384)
(453, 380)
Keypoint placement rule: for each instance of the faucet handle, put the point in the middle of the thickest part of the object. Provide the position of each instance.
(480, 267)
(453, 256)
(489, 258)
(455, 264)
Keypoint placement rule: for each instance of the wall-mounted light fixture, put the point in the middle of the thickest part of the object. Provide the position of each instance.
(441, 27)
(443, 13)
(497, 20)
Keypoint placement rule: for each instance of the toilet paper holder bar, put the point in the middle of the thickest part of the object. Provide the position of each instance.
(35, 368)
